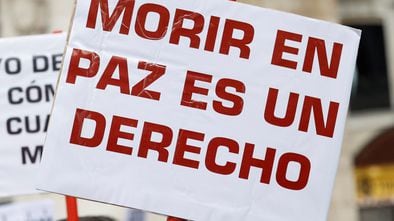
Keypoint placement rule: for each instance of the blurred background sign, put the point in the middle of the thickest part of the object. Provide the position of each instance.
(375, 184)
(374, 175)
(42, 210)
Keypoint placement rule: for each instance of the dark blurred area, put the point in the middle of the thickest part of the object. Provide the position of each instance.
(370, 86)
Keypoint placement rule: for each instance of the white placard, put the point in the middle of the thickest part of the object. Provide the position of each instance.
(29, 68)
(205, 110)
(28, 211)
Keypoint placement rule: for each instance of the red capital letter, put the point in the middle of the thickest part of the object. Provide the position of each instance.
(228, 39)
(280, 48)
(74, 70)
(162, 25)
(156, 71)
(319, 46)
(107, 77)
(178, 30)
(305, 168)
(315, 105)
(115, 134)
(237, 101)
(213, 147)
(76, 133)
(190, 89)
(109, 21)
(160, 146)
(182, 147)
(248, 161)
(269, 113)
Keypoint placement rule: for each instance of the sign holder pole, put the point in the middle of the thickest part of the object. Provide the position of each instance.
(72, 208)
(71, 202)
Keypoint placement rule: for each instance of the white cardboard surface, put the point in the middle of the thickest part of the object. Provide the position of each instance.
(26, 99)
(28, 211)
(197, 193)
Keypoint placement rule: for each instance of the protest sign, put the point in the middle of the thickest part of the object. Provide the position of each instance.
(28, 211)
(205, 110)
(29, 68)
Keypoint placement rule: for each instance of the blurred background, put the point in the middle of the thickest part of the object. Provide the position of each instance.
(364, 186)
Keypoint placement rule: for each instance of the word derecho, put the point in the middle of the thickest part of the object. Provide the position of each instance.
(229, 92)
